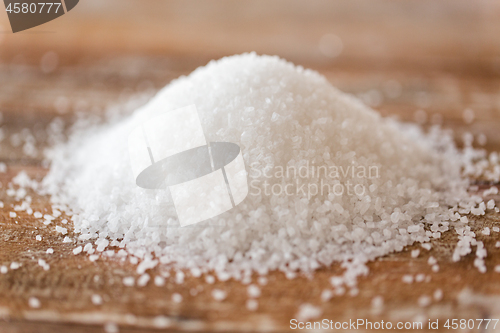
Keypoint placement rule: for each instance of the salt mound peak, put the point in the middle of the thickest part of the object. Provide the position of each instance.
(284, 118)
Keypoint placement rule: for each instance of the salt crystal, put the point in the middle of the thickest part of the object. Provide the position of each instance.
(162, 322)
(252, 305)
(415, 253)
(377, 304)
(407, 278)
(486, 231)
(424, 301)
(176, 298)
(427, 246)
(179, 277)
(3, 269)
(38, 215)
(253, 291)
(262, 280)
(490, 191)
(62, 230)
(43, 264)
(490, 204)
(438, 295)
(128, 281)
(111, 328)
(420, 277)
(431, 261)
(219, 295)
(38, 237)
(468, 116)
(307, 312)
(159, 281)
(77, 250)
(326, 295)
(34, 302)
(96, 299)
(143, 280)
(14, 265)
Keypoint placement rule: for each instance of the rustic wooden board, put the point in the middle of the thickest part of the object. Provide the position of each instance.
(444, 55)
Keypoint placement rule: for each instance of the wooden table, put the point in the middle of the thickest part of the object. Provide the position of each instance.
(438, 56)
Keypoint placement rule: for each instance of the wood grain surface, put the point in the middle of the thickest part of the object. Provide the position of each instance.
(441, 57)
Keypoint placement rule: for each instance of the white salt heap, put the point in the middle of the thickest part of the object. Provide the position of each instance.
(405, 186)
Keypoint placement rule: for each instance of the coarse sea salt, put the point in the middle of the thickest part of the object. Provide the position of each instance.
(281, 116)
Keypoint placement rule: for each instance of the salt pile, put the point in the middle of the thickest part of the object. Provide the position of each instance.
(400, 185)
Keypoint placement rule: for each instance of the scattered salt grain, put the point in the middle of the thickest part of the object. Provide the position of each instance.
(219, 295)
(427, 246)
(438, 295)
(497, 244)
(14, 265)
(497, 269)
(43, 264)
(431, 261)
(262, 280)
(252, 305)
(486, 231)
(77, 250)
(38, 215)
(62, 230)
(253, 291)
(93, 257)
(143, 280)
(490, 191)
(176, 298)
(468, 116)
(179, 277)
(326, 295)
(377, 305)
(420, 277)
(415, 253)
(3, 269)
(424, 301)
(496, 229)
(3, 167)
(307, 312)
(38, 237)
(209, 279)
(96, 299)
(34, 302)
(407, 278)
(162, 322)
(128, 281)
(159, 281)
(111, 328)
(490, 204)
(12, 214)
(67, 240)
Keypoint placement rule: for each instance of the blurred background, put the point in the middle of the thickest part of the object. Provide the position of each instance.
(421, 60)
